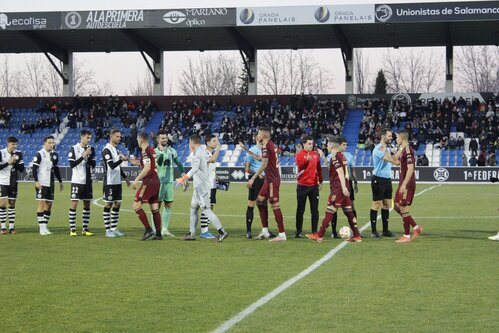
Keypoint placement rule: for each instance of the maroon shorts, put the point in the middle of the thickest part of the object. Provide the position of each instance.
(404, 199)
(148, 193)
(270, 191)
(338, 200)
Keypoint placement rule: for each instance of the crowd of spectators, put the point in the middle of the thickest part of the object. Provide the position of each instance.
(5, 117)
(288, 122)
(443, 123)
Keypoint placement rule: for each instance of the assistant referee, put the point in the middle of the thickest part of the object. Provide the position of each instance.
(309, 179)
(381, 185)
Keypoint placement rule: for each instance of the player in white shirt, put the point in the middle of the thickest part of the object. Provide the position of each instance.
(44, 169)
(112, 159)
(11, 162)
(81, 159)
(201, 193)
(212, 152)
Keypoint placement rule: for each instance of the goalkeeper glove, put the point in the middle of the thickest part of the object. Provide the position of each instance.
(181, 180)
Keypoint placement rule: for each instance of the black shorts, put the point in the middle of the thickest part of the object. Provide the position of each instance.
(381, 188)
(8, 191)
(13, 192)
(45, 193)
(255, 189)
(112, 193)
(213, 196)
(81, 192)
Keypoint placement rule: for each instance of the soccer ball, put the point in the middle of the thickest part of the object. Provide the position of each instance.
(346, 232)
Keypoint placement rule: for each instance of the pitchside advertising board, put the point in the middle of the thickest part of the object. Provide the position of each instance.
(437, 12)
(305, 15)
(288, 174)
(174, 18)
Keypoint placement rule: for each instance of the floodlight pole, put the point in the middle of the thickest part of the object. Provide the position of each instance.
(449, 69)
(68, 79)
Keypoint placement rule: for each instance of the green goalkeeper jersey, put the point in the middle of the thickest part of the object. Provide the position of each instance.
(164, 164)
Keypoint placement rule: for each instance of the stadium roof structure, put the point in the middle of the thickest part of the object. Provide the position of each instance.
(152, 32)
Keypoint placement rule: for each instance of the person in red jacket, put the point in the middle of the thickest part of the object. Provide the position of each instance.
(309, 170)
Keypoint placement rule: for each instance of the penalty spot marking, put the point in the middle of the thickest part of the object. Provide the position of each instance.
(262, 301)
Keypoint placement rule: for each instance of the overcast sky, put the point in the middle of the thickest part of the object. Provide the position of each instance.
(123, 69)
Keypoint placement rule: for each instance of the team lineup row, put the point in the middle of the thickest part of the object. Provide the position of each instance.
(157, 187)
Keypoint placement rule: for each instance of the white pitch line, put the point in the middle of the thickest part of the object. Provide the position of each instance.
(262, 301)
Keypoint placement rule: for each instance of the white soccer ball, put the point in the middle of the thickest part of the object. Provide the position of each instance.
(346, 232)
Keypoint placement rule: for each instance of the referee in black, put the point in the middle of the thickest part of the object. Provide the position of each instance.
(381, 185)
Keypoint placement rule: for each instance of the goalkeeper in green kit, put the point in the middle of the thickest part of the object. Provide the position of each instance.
(165, 157)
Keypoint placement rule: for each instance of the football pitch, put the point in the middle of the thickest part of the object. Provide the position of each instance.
(445, 281)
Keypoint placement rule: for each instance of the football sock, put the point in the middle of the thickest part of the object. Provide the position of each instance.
(115, 216)
(221, 231)
(106, 215)
(385, 215)
(279, 219)
(334, 223)
(325, 223)
(193, 221)
(212, 217)
(3, 217)
(12, 217)
(373, 216)
(72, 219)
(156, 217)
(204, 222)
(39, 217)
(166, 217)
(407, 225)
(265, 230)
(249, 218)
(143, 218)
(85, 215)
(46, 216)
(354, 212)
(264, 214)
(352, 221)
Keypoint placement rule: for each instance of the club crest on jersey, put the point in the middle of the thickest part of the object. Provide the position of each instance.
(107, 156)
(110, 197)
(39, 195)
(73, 195)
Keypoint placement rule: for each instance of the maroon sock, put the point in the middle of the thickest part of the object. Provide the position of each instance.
(264, 215)
(279, 219)
(355, 213)
(325, 223)
(156, 217)
(407, 225)
(353, 223)
(143, 218)
(412, 222)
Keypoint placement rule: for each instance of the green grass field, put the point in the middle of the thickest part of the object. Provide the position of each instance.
(446, 281)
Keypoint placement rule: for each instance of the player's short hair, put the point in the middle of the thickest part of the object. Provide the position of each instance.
(45, 139)
(385, 130)
(208, 137)
(265, 130)
(114, 130)
(306, 138)
(162, 132)
(144, 136)
(85, 132)
(12, 139)
(404, 133)
(338, 140)
(195, 138)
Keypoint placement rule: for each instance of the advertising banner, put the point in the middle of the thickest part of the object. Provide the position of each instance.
(30, 21)
(105, 19)
(437, 12)
(236, 174)
(305, 15)
(193, 18)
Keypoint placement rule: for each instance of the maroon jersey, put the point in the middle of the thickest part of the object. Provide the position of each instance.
(406, 158)
(338, 161)
(272, 170)
(149, 157)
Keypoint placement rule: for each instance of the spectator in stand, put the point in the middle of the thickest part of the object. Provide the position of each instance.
(491, 160)
(474, 147)
(482, 159)
(464, 160)
(473, 161)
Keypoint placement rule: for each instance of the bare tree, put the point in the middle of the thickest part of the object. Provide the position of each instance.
(477, 68)
(83, 78)
(144, 85)
(412, 72)
(361, 72)
(35, 76)
(291, 72)
(211, 76)
(54, 81)
(10, 79)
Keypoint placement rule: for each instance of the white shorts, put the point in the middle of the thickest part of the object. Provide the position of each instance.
(201, 198)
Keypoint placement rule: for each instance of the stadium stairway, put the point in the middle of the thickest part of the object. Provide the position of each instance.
(351, 129)
(154, 122)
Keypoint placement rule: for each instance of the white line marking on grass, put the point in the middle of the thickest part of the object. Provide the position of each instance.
(262, 301)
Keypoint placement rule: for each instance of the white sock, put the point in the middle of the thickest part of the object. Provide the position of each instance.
(407, 236)
(265, 230)
(282, 234)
